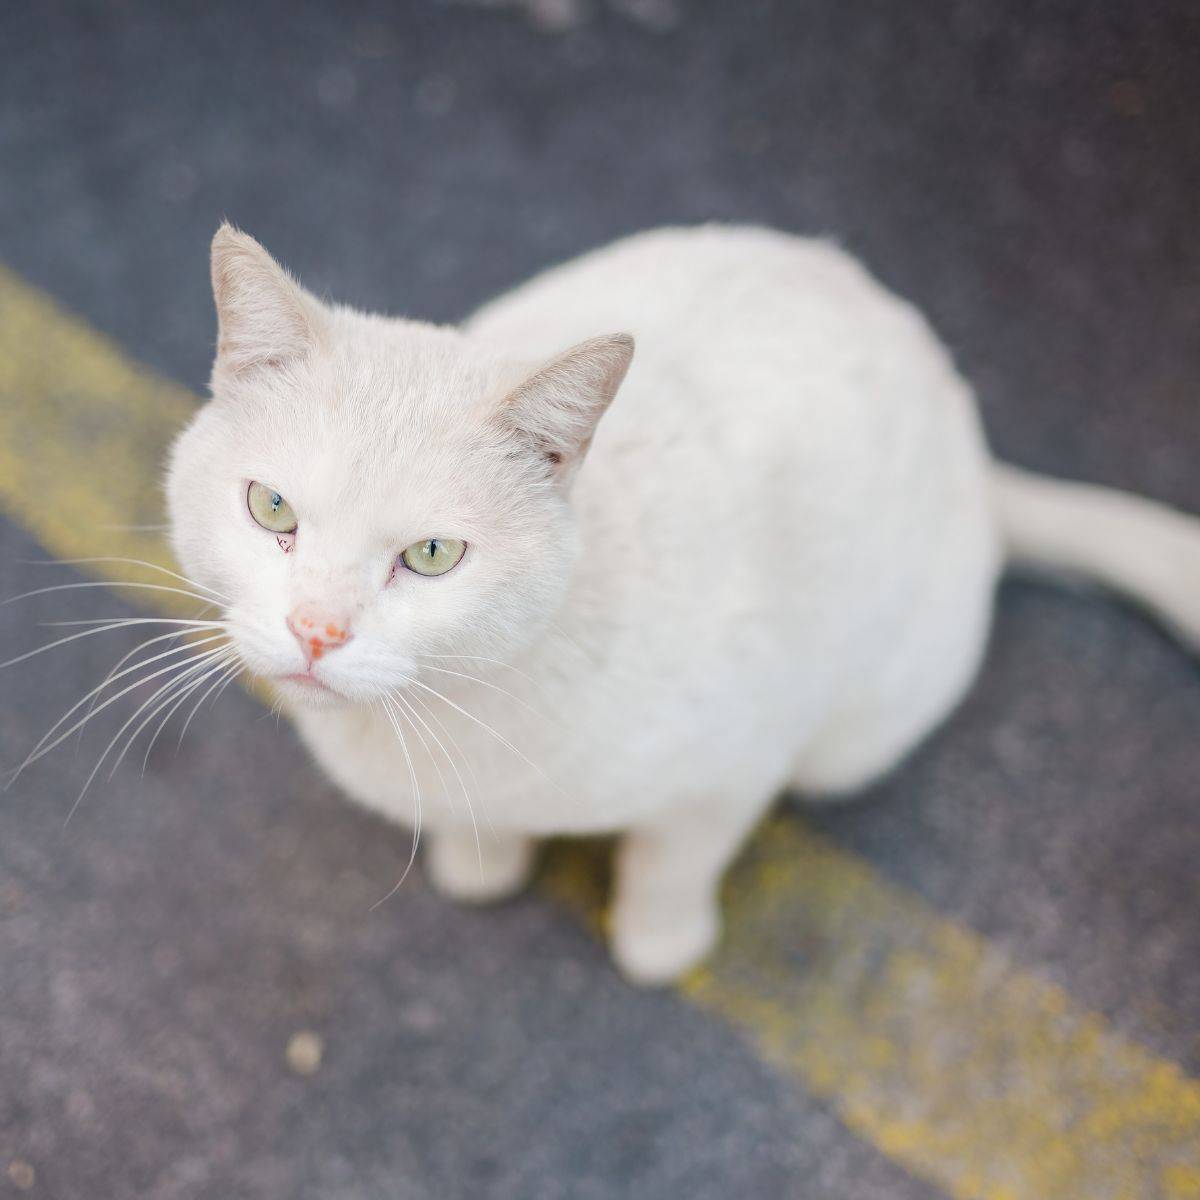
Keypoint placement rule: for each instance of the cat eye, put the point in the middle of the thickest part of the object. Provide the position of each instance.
(270, 509)
(434, 556)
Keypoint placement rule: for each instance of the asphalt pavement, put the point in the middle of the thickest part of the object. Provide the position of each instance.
(1031, 178)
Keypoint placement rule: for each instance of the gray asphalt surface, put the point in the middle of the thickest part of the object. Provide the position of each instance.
(1031, 179)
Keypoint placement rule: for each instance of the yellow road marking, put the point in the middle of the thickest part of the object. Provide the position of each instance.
(83, 432)
(930, 1043)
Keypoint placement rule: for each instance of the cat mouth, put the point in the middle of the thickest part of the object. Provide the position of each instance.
(304, 680)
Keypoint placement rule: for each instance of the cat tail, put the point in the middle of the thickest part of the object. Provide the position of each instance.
(1138, 547)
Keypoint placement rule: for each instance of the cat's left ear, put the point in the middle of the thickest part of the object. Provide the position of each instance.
(558, 407)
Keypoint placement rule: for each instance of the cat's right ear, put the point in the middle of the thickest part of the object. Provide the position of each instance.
(264, 318)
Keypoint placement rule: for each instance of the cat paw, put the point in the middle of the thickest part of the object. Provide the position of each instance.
(479, 873)
(654, 948)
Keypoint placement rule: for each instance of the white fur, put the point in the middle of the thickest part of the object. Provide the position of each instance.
(774, 569)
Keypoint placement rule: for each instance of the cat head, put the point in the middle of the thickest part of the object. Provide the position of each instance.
(365, 493)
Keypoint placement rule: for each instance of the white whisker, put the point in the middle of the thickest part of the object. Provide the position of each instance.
(426, 708)
(134, 562)
(560, 632)
(495, 687)
(485, 726)
(116, 583)
(429, 753)
(227, 682)
(116, 674)
(96, 628)
(123, 621)
(412, 774)
(408, 702)
(227, 674)
(174, 701)
(162, 637)
(220, 670)
(187, 670)
(44, 746)
(174, 691)
(495, 662)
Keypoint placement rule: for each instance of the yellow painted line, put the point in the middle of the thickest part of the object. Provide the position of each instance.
(930, 1043)
(83, 432)
(933, 1045)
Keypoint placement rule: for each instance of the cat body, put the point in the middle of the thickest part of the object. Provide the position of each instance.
(770, 565)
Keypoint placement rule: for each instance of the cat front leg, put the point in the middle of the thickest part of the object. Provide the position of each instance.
(478, 870)
(666, 914)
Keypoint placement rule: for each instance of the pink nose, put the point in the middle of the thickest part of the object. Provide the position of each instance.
(317, 632)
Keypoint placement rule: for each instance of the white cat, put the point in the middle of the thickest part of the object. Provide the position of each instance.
(770, 565)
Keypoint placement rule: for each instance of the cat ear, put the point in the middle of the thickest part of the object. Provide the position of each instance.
(557, 408)
(263, 316)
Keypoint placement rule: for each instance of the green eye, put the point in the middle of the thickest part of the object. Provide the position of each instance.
(270, 509)
(434, 556)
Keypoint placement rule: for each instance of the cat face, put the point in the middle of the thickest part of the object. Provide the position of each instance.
(368, 494)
